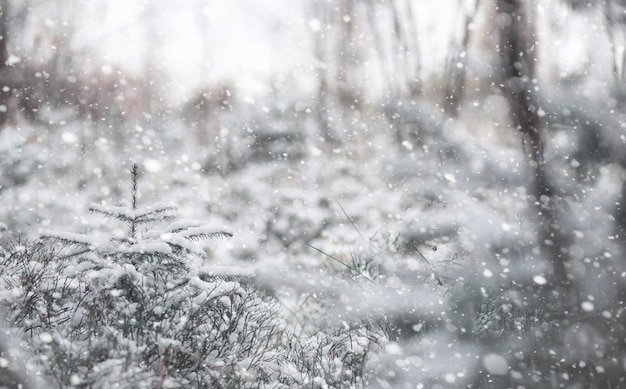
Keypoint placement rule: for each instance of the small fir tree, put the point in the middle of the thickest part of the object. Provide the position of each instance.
(139, 311)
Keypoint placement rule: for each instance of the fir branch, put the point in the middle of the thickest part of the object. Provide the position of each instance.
(182, 225)
(194, 230)
(69, 238)
(202, 232)
(210, 235)
(155, 213)
(226, 273)
(82, 244)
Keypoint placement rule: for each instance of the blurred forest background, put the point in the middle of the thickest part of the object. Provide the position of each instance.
(430, 193)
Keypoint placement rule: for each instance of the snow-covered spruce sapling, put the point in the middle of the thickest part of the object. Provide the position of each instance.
(153, 313)
(146, 247)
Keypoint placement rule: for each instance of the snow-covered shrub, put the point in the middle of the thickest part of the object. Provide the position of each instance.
(330, 358)
(363, 298)
(140, 310)
(503, 315)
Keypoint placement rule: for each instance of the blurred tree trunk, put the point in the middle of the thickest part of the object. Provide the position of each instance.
(615, 22)
(405, 49)
(4, 62)
(347, 56)
(399, 57)
(456, 66)
(516, 45)
(4, 32)
(324, 64)
(152, 63)
(609, 20)
(413, 54)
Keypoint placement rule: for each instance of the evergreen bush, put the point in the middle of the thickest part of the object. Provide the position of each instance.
(143, 310)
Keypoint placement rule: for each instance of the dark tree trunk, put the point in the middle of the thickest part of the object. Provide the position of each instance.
(516, 47)
(4, 59)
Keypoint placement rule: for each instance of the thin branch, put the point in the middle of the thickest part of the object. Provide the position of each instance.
(329, 256)
(350, 220)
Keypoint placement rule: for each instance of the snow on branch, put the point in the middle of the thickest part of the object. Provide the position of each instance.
(195, 230)
(156, 248)
(154, 213)
(243, 276)
(227, 271)
(205, 232)
(178, 242)
(71, 238)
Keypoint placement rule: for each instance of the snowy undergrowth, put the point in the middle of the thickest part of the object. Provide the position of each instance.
(415, 266)
(142, 309)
